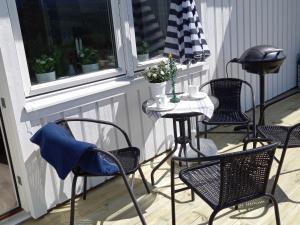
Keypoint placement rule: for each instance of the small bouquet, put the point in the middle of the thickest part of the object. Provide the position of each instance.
(158, 74)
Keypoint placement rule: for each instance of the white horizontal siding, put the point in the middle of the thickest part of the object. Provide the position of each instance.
(232, 26)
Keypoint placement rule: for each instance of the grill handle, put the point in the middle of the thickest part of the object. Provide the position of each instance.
(278, 50)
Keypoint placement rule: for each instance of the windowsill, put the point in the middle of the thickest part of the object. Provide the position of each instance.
(63, 96)
(75, 80)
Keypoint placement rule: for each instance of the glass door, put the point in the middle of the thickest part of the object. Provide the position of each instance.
(9, 201)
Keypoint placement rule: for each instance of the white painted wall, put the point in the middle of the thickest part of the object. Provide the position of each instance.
(231, 26)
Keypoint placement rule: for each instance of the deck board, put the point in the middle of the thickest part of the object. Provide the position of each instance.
(109, 204)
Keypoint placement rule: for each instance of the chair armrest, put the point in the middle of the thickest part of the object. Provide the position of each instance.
(98, 122)
(203, 85)
(253, 105)
(221, 156)
(197, 159)
(255, 140)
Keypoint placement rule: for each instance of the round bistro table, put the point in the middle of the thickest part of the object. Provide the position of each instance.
(181, 114)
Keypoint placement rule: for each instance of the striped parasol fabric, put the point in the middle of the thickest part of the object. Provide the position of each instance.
(185, 38)
(147, 27)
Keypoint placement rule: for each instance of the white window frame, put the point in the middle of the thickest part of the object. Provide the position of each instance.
(117, 8)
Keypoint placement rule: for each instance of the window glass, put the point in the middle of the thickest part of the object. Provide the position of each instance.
(150, 23)
(64, 38)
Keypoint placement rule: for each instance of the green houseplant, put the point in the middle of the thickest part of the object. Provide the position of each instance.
(44, 68)
(89, 60)
(142, 51)
(157, 76)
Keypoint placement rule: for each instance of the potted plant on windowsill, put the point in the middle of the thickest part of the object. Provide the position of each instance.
(142, 51)
(44, 68)
(89, 60)
(157, 76)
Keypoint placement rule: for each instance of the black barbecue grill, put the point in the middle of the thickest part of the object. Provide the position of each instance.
(261, 60)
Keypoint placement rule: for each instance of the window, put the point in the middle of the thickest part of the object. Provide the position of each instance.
(66, 38)
(150, 23)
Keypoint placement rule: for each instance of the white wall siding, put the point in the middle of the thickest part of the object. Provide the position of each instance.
(232, 26)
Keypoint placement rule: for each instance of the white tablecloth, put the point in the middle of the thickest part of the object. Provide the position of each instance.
(203, 106)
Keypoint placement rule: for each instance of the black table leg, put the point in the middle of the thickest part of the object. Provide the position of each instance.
(182, 139)
(169, 154)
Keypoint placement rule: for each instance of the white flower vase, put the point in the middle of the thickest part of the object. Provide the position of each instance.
(158, 89)
(46, 77)
(143, 57)
(89, 68)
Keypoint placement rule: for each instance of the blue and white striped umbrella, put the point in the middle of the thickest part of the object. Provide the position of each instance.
(185, 38)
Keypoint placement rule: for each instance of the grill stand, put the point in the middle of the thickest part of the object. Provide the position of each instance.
(262, 99)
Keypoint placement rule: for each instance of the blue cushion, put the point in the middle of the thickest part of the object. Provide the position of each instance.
(64, 152)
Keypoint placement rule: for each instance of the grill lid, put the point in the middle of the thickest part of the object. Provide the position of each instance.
(261, 59)
(261, 53)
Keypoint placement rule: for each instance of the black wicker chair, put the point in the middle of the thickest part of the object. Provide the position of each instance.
(229, 112)
(228, 180)
(286, 136)
(127, 160)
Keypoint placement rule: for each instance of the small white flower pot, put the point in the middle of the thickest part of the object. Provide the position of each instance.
(89, 68)
(45, 77)
(158, 89)
(143, 57)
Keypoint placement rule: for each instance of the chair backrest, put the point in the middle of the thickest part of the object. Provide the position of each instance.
(65, 125)
(228, 92)
(244, 175)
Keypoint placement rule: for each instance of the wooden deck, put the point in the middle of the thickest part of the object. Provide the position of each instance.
(109, 204)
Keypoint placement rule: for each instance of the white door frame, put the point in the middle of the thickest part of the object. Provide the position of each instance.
(9, 161)
(12, 92)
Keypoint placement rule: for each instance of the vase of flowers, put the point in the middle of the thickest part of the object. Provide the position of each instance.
(172, 74)
(89, 60)
(44, 68)
(142, 51)
(157, 76)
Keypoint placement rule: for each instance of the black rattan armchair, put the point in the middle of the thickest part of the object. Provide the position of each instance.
(229, 112)
(286, 136)
(127, 160)
(227, 180)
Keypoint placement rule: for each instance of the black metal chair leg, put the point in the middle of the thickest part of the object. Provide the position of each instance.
(276, 208)
(73, 195)
(197, 134)
(173, 192)
(144, 180)
(180, 155)
(192, 195)
(205, 131)
(212, 216)
(84, 187)
(133, 199)
(162, 162)
(248, 130)
(278, 170)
